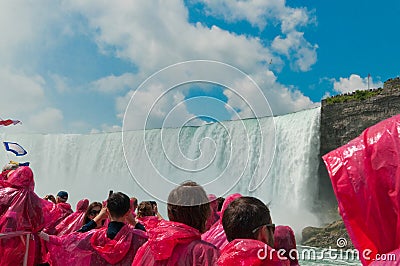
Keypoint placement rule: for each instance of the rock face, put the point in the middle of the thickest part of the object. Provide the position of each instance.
(343, 121)
(332, 236)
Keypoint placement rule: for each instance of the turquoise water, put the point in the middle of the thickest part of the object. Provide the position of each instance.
(319, 256)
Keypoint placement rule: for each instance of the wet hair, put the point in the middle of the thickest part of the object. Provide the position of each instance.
(118, 204)
(89, 210)
(145, 209)
(188, 204)
(242, 216)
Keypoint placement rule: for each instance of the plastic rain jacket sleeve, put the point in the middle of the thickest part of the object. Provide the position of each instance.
(173, 243)
(249, 252)
(365, 175)
(74, 221)
(216, 234)
(21, 210)
(95, 248)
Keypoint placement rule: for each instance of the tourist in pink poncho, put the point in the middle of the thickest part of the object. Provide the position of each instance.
(284, 240)
(63, 210)
(178, 241)
(250, 232)
(365, 175)
(21, 210)
(214, 216)
(216, 235)
(115, 244)
(74, 221)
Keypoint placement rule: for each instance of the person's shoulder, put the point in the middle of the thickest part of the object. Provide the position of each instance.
(203, 246)
(137, 232)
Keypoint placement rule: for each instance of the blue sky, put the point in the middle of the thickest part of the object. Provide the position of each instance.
(73, 66)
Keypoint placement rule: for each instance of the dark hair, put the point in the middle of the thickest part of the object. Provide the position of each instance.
(220, 203)
(134, 202)
(188, 204)
(242, 216)
(89, 209)
(118, 204)
(145, 209)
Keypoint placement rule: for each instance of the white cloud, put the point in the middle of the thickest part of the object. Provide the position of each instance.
(111, 84)
(297, 49)
(25, 100)
(259, 12)
(106, 129)
(49, 120)
(152, 35)
(60, 83)
(21, 93)
(353, 83)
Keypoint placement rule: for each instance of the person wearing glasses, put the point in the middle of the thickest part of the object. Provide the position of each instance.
(249, 229)
(89, 223)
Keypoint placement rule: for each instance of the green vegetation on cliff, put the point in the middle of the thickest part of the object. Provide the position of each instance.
(358, 95)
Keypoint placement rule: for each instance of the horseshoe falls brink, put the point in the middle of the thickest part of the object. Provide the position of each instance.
(274, 159)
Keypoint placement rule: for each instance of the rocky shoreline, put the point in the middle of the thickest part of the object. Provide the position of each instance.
(334, 235)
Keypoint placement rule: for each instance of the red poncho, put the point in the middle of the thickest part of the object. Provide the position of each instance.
(21, 210)
(62, 211)
(173, 243)
(243, 252)
(365, 175)
(216, 234)
(284, 240)
(74, 221)
(95, 248)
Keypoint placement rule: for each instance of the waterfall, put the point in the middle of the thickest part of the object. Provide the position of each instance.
(274, 159)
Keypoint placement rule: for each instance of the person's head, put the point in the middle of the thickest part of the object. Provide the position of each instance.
(8, 169)
(284, 239)
(92, 211)
(82, 205)
(188, 204)
(22, 177)
(145, 209)
(118, 204)
(248, 218)
(62, 197)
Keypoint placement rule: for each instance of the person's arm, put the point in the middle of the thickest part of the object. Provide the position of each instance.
(96, 222)
(101, 216)
(50, 238)
(87, 227)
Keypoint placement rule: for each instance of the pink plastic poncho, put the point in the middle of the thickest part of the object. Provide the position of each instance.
(249, 252)
(95, 248)
(216, 234)
(284, 240)
(21, 210)
(173, 243)
(74, 221)
(62, 211)
(365, 175)
(214, 216)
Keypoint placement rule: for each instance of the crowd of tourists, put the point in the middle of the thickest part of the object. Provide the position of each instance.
(200, 229)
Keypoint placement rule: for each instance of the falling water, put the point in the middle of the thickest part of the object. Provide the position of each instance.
(274, 159)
